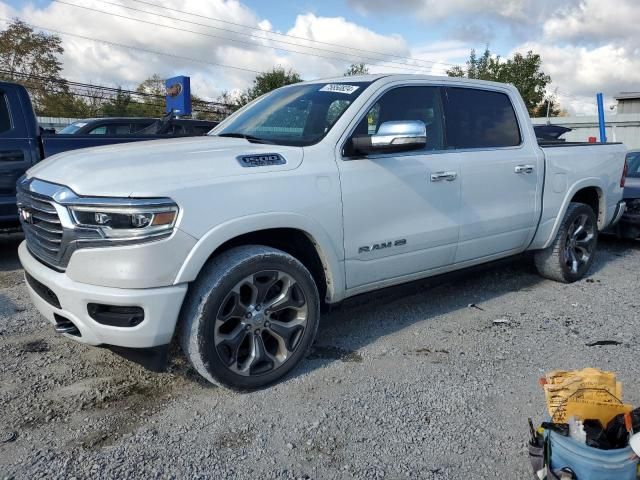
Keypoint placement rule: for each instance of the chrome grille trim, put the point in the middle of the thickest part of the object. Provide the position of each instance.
(41, 224)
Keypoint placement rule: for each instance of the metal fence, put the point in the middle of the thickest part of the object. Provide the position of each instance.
(623, 128)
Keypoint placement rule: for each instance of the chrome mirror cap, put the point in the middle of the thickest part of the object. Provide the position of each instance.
(397, 136)
(413, 132)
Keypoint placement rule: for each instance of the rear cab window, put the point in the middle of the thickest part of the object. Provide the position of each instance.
(477, 118)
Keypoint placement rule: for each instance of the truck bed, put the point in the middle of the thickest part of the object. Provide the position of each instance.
(569, 167)
(551, 144)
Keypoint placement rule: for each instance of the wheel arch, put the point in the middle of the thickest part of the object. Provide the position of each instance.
(594, 197)
(295, 234)
(589, 191)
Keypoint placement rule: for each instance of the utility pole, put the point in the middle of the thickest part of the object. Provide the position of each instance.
(603, 130)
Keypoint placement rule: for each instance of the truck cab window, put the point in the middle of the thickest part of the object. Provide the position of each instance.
(407, 103)
(5, 121)
(480, 119)
(120, 129)
(99, 131)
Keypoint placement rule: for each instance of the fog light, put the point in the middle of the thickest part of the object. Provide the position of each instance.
(116, 316)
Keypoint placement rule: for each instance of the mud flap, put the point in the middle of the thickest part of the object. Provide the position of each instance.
(154, 359)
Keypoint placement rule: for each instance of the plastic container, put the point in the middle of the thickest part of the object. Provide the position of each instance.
(590, 463)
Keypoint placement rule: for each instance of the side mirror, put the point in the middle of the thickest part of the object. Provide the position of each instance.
(392, 137)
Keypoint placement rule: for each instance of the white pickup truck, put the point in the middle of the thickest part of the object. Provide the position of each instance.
(311, 194)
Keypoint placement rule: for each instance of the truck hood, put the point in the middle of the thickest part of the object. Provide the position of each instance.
(157, 167)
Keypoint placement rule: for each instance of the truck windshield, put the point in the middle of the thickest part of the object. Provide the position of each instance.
(73, 127)
(299, 115)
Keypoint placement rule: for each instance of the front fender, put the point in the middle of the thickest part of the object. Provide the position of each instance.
(331, 255)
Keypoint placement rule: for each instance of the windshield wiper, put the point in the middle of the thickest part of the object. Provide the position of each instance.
(249, 138)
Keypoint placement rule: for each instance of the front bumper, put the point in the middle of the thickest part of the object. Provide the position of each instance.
(161, 307)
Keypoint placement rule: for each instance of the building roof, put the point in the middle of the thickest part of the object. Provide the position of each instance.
(628, 96)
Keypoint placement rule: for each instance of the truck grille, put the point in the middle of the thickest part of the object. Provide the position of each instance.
(42, 227)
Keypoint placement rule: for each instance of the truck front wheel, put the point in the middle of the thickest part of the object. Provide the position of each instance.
(571, 254)
(250, 317)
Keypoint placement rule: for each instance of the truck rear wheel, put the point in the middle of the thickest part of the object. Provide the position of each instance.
(571, 254)
(250, 317)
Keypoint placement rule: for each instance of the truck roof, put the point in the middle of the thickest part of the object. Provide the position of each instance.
(408, 76)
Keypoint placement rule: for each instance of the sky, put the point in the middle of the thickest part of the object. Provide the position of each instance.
(587, 46)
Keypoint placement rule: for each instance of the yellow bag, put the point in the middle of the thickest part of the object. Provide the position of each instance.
(586, 394)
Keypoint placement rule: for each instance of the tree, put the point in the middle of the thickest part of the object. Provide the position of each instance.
(144, 106)
(118, 106)
(356, 69)
(32, 59)
(522, 71)
(266, 82)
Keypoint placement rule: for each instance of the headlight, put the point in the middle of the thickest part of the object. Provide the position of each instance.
(132, 220)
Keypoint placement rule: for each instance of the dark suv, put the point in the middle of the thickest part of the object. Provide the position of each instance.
(138, 126)
(629, 226)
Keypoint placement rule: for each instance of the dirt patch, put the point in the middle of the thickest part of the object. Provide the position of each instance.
(234, 439)
(119, 406)
(37, 346)
(334, 353)
(11, 279)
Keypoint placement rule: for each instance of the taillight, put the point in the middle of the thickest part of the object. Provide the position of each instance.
(625, 170)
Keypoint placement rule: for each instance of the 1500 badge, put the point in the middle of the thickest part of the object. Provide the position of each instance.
(382, 245)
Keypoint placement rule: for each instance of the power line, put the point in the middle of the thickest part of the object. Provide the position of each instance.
(129, 47)
(285, 34)
(348, 58)
(89, 88)
(236, 32)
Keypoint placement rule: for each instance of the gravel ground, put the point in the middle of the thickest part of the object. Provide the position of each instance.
(410, 382)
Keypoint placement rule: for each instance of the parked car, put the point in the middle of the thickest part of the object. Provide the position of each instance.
(629, 226)
(139, 126)
(23, 143)
(313, 193)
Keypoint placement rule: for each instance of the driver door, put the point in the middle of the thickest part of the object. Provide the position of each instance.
(401, 210)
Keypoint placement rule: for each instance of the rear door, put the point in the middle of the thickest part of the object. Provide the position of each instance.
(499, 173)
(16, 151)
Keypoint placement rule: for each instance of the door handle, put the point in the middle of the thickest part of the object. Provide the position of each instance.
(524, 168)
(439, 176)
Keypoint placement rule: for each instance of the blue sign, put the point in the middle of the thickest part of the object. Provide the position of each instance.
(178, 95)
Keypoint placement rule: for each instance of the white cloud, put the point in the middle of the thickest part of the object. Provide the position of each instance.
(586, 45)
(432, 10)
(594, 20)
(589, 48)
(100, 63)
(338, 31)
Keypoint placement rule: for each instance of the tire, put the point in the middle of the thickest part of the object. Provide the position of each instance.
(571, 254)
(248, 319)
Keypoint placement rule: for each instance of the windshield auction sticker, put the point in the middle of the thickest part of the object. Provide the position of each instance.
(339, 88)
